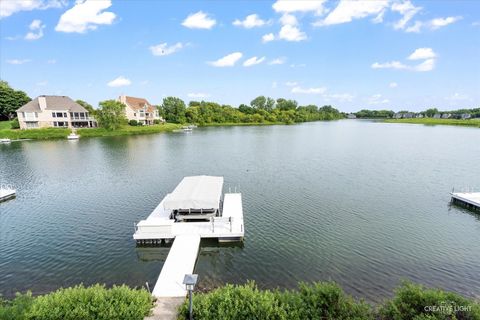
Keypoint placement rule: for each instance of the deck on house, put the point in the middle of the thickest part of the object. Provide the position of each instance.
(159, 226)
(6, 194)
(180, 261)
(471, 199)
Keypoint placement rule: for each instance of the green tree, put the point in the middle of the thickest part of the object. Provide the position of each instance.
(173, 110)
(431, 112)
(286, 105)
(87, 106)
(10, 100)
(111, 114)
(262, 103)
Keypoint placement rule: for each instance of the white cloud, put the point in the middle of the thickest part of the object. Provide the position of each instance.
(280, 60)
(291, 33)
(36, 30)
(407, 10)
(119, 82)
(268, 37)
(475, 23)
(18, 61)
(393, 85)
(198, 95)
(86, 15)
(348, 10)
(442, 22)
(253, 61)
(51, 61)
(299, 65)
(433, 24)
(422, 53)
(199, 20)
(288, 19)
(9, 7)
(389, 65)
(274, 84)
(291, 83)
(299, 6)
(163, 49)
(227, 61)
(427, 65)
(319, 90)
(426, 54)
(377, 99)
(458, 97)
(251, 21)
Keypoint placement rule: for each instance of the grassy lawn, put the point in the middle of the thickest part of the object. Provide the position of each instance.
(431, 121)
(5, 125)
(58, 133)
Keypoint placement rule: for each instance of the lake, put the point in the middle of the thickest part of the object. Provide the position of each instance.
(363, 203)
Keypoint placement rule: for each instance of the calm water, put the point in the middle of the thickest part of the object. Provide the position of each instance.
(365, 204)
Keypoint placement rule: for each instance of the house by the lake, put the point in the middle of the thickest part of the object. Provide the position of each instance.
(140, 109)
(54, 111)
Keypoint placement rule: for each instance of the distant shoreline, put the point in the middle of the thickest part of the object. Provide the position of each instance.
(433, 122)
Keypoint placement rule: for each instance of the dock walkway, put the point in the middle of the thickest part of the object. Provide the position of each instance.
(6, 194)
(180, 261)
(469, 199)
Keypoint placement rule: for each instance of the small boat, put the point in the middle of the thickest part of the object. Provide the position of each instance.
(5, 140)
(187, 129)
(73, 136)
(6, 193)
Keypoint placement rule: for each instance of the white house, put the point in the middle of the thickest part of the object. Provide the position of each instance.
(54, 111)
(140, 109)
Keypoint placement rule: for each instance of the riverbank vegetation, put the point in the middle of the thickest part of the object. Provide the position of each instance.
(261, 110)
(60, 133)
(326, 300)
(321, 300)
(86, 303)
(432, 121)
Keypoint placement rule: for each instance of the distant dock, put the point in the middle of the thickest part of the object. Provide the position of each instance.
(470, 200)
(7, 194)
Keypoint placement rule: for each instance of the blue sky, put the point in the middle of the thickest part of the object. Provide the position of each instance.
(384, 54)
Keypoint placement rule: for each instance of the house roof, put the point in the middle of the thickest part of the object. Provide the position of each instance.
(53, 103)
(138, 103)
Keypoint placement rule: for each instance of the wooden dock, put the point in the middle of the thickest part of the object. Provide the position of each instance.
(470, 200)
(180, 261)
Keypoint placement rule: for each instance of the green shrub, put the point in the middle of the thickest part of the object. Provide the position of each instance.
(17, 308)
(14, 124)
(133, 122)
(413, 301)
(317, 301)
(157, 121)
(95, 302)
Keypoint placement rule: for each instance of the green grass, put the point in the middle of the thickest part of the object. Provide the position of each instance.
(231, 124)
(5, 125)
(432, 122)
(59, 133)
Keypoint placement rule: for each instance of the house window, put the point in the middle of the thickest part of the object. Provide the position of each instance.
(64, 114)
(53, 114)
(59, 114)
(134, 114)
(32, 124)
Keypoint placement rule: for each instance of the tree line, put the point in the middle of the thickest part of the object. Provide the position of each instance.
(371, 114)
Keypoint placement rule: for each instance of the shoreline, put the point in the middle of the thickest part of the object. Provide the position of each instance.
(474, 123)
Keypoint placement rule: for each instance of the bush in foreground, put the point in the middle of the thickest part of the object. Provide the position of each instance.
(326, 300)
(79, 302)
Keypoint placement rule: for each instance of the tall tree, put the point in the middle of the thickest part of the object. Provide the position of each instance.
(173, 110)
(111, 114)
(87, 106)
(263, 103)
(286, 105)
(10, 100)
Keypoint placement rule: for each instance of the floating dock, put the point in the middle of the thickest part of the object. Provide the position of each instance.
(180, 261)
(194, 210)
(470, 200)
(7, 194)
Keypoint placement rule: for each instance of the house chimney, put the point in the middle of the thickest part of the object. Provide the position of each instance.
(42, 102)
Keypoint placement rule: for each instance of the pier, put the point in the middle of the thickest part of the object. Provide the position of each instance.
(470, 200)
(194, 210)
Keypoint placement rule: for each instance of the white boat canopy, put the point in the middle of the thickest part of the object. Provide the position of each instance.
(197, 192)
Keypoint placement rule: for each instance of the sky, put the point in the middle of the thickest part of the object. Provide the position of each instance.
(376, 54)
